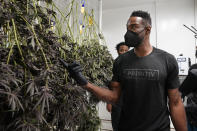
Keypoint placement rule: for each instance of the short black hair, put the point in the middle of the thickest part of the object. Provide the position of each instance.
(143, 14)
(120, 44)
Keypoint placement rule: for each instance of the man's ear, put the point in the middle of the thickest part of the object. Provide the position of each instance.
(148, 29)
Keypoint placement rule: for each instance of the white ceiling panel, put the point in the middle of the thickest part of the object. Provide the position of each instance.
(111, 4)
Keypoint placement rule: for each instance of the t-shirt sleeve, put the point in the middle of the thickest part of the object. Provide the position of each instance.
(116, 70)
(172, 77)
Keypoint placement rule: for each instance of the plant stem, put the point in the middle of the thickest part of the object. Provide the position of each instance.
(9, 40)
(37, 41)
(16, 39)
(68, 26)
(27, 6)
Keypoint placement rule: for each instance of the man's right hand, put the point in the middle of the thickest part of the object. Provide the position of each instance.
(75, 72)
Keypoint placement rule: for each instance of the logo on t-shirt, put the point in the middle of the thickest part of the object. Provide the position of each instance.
(147, 74)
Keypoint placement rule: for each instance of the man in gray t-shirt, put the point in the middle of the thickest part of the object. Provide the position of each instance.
(146, 77)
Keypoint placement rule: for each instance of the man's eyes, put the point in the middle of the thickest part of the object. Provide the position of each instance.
(133, 26)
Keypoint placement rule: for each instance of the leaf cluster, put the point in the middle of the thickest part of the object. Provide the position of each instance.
(36, 92)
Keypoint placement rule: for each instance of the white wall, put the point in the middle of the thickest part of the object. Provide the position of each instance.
(168, 32)
(114, 24)
(172, 35)
(93, 4)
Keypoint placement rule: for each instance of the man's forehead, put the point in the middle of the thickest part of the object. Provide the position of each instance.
(122, 46)
(135, 20)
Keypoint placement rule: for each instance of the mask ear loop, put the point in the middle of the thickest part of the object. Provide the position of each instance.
(141, 31)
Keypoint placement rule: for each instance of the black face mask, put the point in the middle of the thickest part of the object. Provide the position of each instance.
(132, 39)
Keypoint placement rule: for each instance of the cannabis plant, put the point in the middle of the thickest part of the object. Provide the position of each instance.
(36, 92)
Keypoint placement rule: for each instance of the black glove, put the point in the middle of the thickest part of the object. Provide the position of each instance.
(75, 72)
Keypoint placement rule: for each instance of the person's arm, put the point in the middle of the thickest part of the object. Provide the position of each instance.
(177, 111)
(109, 96)
(75, 71)
(109, 107)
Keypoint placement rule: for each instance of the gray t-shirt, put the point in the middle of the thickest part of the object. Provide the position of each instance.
(144, 82)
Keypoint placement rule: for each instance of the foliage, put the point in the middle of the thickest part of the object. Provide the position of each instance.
(36, 92)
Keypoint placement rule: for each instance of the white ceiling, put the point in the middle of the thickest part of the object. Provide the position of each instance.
(111, 4)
